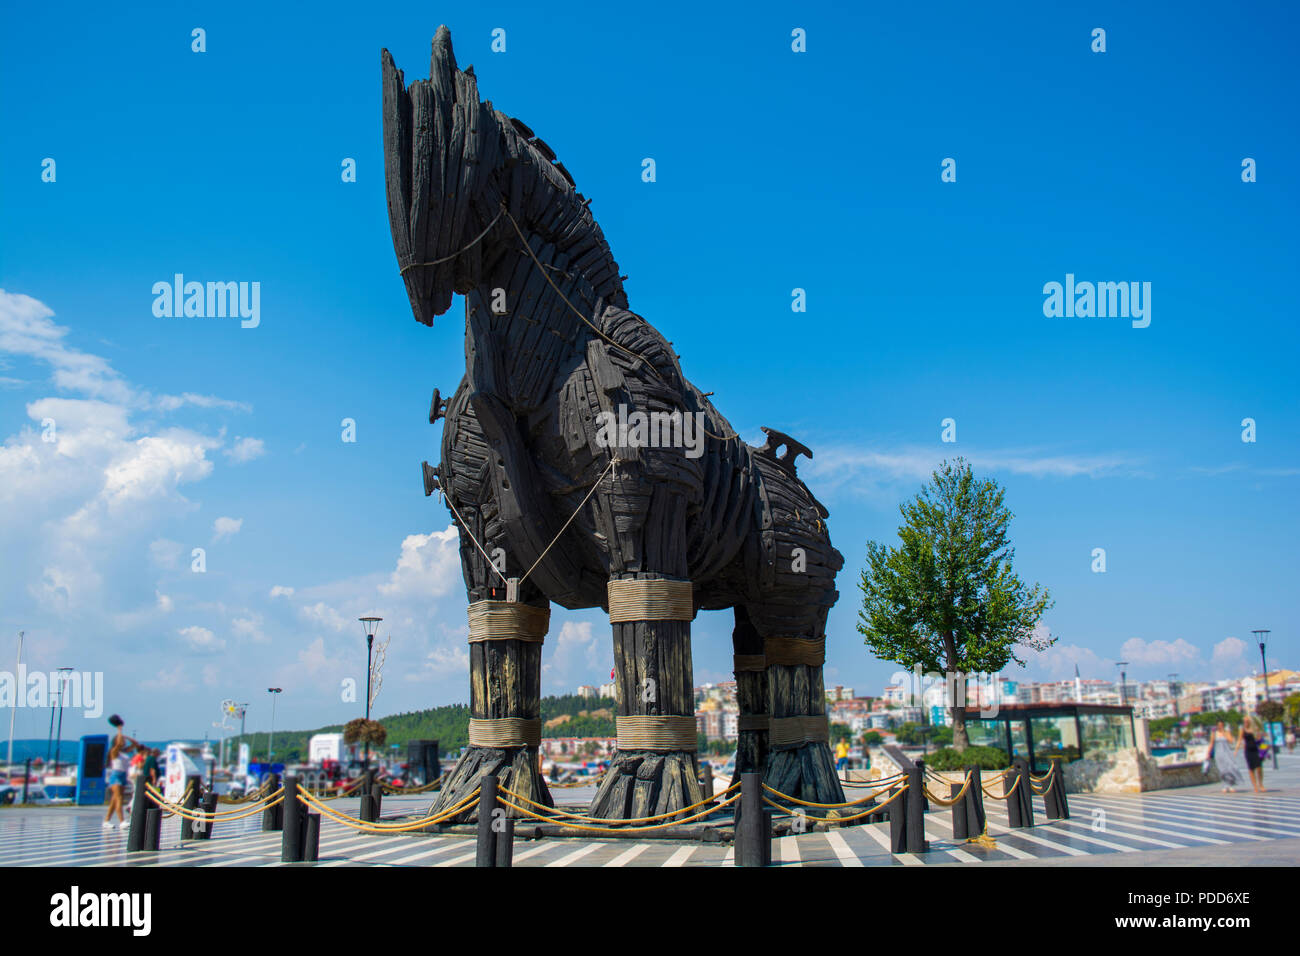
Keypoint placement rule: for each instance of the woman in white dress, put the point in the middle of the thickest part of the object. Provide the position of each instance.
(1223, 752)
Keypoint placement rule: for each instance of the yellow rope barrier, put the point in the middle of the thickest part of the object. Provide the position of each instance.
(209, 819)
(619, 829)
(358, 824)
(941, 802)
(216, 816)
(823, 806)
(1002, 796)
(588, 819)
(856, 816)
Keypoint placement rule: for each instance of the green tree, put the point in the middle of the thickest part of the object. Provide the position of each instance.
(947, 598)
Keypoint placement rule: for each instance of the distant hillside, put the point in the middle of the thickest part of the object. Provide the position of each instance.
(565, 716)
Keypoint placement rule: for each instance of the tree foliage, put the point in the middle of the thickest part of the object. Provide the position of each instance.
(362, 731)
(947, 597)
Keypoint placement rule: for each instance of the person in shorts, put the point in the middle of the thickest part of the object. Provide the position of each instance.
(115, 776)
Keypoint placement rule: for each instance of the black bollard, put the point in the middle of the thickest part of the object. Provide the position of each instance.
(294, 827)
(1062, 802)
(377, 791)
(960, 828)
(209, 806)
(975, 819)
(486, 853)
(753, 828)
(311, 839)
(506, 844)
(27, 774)
(135, 836)
(1015, 807)
(273, 817)
(193, 785)
(706, 779)
(925, 804)
(1026, 793)
(914, 800)
(897, 811)
(152, 827)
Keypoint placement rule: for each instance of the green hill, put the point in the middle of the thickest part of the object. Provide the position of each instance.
(449, 725)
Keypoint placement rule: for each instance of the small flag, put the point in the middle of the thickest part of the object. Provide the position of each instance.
(611, 673)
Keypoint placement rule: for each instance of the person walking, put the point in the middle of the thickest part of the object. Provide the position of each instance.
(842, 755)
(149, 772)
(1222, 754)
(1251, 732)
(118, 763)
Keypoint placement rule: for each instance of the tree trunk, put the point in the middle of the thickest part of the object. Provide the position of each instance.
(960, 740)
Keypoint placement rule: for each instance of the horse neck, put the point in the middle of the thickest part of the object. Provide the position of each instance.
(526, 321)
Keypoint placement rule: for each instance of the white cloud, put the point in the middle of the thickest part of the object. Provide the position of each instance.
(446, 661)
(1178, 653)
(869, 469)
(1229, 658)
(165, 554)
(201, 639)
(579, 654)
(167, 679)
(428, 566)
(281, 591)
(226, 527)
(245, 449)
(324, 615)
(249, 627)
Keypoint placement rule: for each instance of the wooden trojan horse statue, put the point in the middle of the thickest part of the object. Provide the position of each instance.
(582, 468)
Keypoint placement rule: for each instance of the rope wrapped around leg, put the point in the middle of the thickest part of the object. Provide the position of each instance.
(658, 599)
(501, 732)
(795, 731)
(508, 621)
(656, 733)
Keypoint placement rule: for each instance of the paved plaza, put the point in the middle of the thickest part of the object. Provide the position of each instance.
(1188, 827)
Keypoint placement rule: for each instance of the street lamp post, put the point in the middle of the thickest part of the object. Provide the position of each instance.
(1123, 679)
(371, 624)
(1173, 678)
(270, 737)
(58, 743)
(13, 711)
(1261, 635)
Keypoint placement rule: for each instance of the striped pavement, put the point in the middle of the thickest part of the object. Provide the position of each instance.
(1122, 826)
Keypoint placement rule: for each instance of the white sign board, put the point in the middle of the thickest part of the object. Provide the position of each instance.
(180, 765)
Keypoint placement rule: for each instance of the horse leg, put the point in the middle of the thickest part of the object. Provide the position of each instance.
(799, 757)
(751, 695)
(505, 649)
(654, 769)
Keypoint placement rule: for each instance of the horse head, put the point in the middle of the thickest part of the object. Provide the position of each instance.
(465, 182)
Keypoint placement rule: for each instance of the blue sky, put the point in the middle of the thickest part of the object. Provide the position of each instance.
(775, 170)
